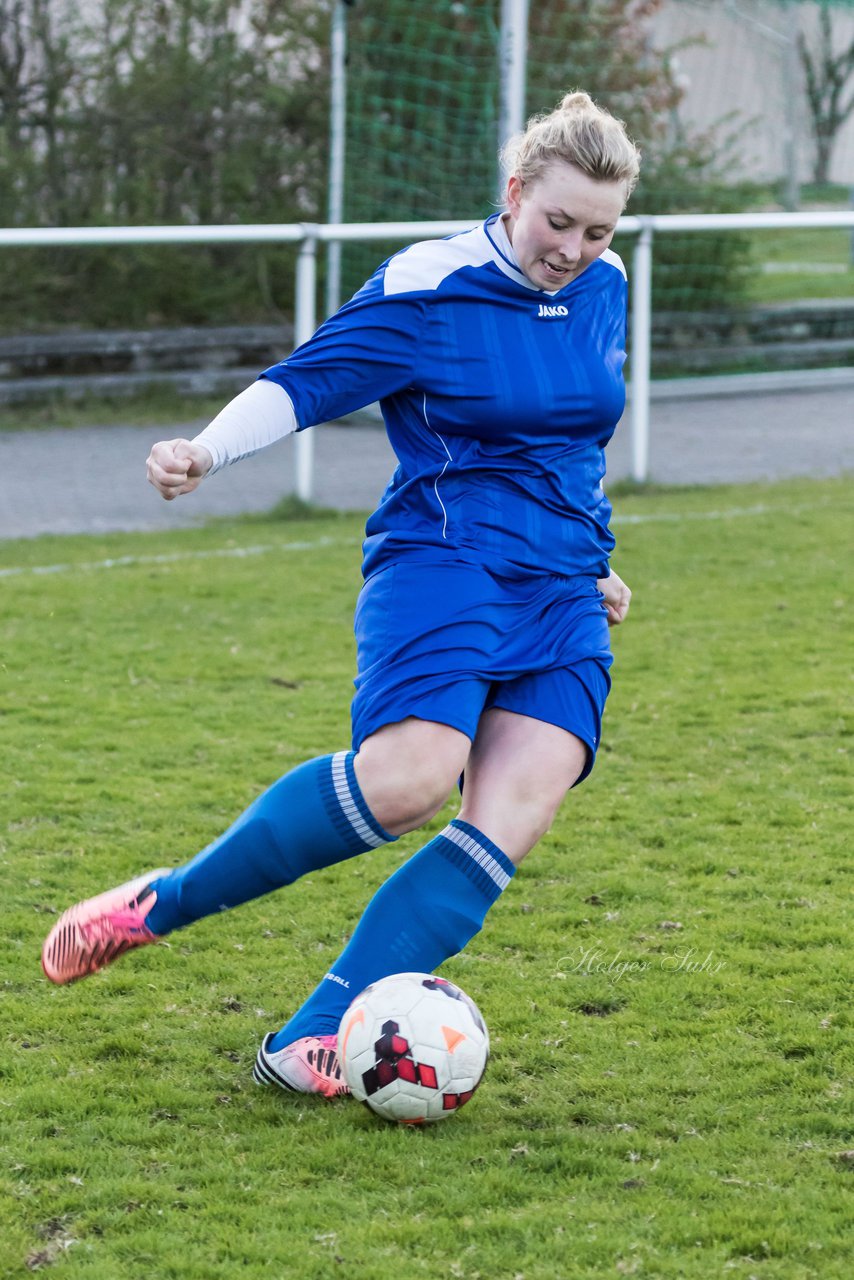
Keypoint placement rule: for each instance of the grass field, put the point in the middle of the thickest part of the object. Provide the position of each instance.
(154, 405)
(790, 266)
(667, 980)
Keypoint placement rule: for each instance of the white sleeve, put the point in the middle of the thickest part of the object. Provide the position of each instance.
(259, 416)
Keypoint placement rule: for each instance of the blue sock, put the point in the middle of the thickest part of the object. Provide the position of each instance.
(311, 818)
(427, 911)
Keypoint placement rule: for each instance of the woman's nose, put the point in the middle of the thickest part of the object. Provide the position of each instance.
(570, 245)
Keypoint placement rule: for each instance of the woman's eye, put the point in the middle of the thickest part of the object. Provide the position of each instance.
(556, 226)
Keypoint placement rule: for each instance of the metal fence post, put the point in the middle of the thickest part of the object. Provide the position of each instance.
(337, 145)
(305, 323)
(641, 350)
(512, 52)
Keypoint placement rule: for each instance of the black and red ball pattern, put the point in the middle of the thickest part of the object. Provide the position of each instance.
(395, 1062)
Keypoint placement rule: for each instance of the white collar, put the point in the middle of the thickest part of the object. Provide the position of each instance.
(506, 260)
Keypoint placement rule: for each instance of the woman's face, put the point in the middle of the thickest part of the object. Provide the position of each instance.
(561, 222)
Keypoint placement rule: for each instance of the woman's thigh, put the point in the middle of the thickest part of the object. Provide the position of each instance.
(517, 774)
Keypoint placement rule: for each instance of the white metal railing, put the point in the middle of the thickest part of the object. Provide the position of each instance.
(309, 235)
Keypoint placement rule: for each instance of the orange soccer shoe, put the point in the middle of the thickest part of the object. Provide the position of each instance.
(92, 934)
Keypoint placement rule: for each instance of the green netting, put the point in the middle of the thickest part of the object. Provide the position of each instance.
(424, 93)
(422, 99)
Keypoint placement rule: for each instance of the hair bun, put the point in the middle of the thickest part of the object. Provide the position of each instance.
(577, 132)
(577, 101)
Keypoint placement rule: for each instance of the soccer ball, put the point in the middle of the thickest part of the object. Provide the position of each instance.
(413, 1047)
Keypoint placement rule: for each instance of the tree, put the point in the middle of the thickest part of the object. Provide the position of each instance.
(38, 82)
(830, 88)
(177, 111)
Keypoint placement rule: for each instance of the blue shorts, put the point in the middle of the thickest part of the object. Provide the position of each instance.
(447, 641)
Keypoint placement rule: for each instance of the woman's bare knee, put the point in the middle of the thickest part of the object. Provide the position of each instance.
(407, 770)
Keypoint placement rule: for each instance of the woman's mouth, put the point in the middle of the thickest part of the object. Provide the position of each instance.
(554, 272)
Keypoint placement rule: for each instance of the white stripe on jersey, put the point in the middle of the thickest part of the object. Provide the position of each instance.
(614, 260)
(442, 472)
(425, 265)
(480, 855)
(348, 805)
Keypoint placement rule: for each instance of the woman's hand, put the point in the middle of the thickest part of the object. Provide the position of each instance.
(177, 466)
(617, 597)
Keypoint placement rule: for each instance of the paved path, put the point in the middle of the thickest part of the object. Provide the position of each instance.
(92, 480)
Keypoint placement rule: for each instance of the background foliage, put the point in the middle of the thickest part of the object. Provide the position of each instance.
(207, 111)
(191, 111)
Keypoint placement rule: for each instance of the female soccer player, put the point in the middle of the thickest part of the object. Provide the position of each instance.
(482, 626)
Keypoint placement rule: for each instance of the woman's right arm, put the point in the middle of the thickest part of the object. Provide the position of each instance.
(366, 351)
(259, 416)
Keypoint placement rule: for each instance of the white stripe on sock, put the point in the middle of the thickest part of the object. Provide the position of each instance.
(481, 856)
(348, 804)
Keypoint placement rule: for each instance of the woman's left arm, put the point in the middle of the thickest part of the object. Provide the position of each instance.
(617, 597)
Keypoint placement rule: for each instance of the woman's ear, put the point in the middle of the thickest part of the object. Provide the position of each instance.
(514, 194)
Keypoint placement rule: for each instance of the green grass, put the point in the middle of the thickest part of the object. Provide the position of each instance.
(809, 250)
(768, 290)
(154, 405)
(682, 1117)
(806, 246)
(793, 265)
(811, 195)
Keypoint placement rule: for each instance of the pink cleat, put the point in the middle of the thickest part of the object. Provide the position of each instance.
(90, 935)
(309, 1065)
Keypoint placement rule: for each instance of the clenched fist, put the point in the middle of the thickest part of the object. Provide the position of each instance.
(617, 598)
(177, 466)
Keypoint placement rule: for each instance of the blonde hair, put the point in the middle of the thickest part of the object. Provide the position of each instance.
(577, 132)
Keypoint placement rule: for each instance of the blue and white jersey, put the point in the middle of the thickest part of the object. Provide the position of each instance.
(498, 398)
